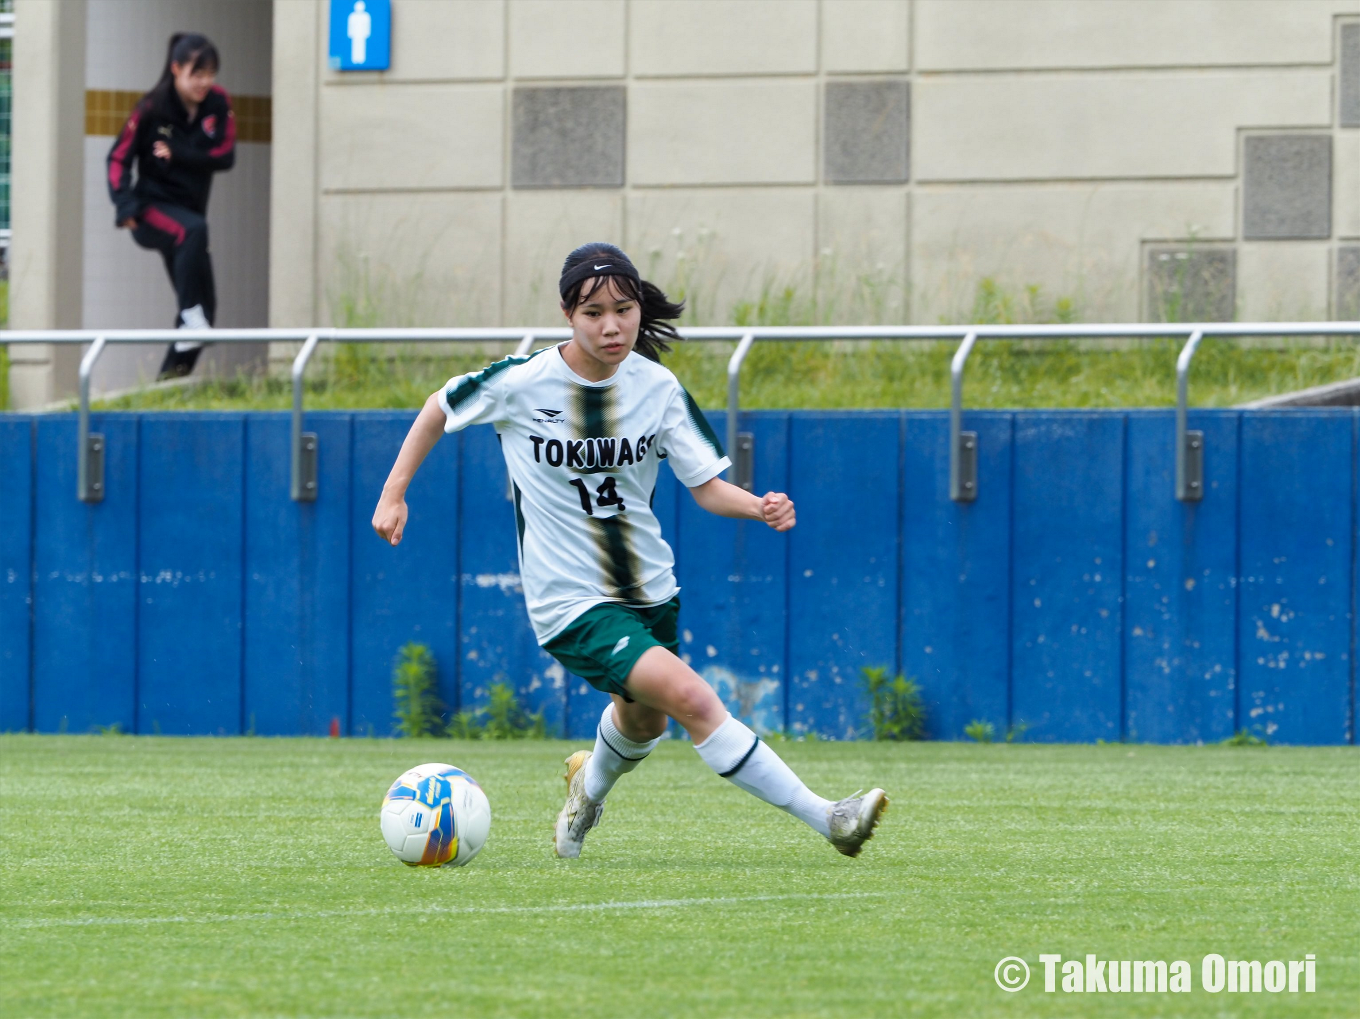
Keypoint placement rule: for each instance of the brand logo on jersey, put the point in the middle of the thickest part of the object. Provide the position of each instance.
(550, 417)
(166, 130)
(591, 456)
(210, 124)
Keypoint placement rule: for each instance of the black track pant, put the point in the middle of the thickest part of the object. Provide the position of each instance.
(181, 236)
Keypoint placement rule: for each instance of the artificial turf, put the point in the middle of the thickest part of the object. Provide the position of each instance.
(148, 876)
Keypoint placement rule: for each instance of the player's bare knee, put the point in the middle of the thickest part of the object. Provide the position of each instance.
(639, 722)
(695, 700)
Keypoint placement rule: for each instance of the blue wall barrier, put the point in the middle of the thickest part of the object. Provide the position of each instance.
(1075, 599)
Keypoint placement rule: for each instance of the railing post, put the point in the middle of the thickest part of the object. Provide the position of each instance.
(89, 447)
(302, 475)
(525, 345)
(963, 486)
(741, 446)
(1189, 443)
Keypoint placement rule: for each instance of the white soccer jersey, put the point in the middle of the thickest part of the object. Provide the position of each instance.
(583, 458)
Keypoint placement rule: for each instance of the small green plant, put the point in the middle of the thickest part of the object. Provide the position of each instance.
(895, 709)
(780, 736)
(983, 732)
(1016, 732)
(116, 729)
(413, 688)
(1244, 738)
(502, 718)
(993, 304)
(464, 725)
(505, 719)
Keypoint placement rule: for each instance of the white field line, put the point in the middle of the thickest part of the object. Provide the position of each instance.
(575, 907)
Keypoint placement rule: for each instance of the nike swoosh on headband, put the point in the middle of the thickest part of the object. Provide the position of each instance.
(604, 266)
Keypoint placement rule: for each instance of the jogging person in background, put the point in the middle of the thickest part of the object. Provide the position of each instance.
(179, 135)
(583, 427)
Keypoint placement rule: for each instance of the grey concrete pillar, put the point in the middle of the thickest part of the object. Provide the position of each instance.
(298, 44)
(48, 194)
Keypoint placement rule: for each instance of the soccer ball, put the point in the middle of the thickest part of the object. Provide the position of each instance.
(435, 815)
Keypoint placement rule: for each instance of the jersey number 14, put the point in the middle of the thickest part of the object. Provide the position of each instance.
(605, 495)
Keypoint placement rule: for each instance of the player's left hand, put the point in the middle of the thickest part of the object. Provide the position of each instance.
(161, 151)
(777, 509)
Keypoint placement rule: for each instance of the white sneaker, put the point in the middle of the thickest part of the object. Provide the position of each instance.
(853, 820)
(578, 814)
(194, 318)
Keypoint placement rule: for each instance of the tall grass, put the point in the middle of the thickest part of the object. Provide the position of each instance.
(842, 374)
(832, 375)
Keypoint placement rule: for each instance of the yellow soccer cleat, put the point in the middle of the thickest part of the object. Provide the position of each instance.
(578, 814)
(853, 820)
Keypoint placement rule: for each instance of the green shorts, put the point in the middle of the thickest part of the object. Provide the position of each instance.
(603, 643)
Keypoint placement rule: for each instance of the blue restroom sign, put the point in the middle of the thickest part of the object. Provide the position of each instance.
(361, 35)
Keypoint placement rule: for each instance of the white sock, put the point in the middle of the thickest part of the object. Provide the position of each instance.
(740, 756)
(615, 754)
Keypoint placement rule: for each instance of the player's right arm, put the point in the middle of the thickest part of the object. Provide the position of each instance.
(465, 400)
(389, 519)
(119, 165)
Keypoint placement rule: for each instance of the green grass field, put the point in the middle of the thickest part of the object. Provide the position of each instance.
(147, 876)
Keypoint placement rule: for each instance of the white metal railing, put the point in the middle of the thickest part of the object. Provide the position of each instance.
(963, 482)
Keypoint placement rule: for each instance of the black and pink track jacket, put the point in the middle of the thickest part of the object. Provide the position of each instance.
(198, 148)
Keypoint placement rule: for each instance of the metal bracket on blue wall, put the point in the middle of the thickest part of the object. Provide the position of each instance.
(963, 468)
(745, 461)
(304, 468)
(1190, 464)
(90, 469)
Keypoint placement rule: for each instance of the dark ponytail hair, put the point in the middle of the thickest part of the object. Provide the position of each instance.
(655, 333)
(185, 48)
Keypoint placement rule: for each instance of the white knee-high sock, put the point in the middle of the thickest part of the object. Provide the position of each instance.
(615, 754)
(740, 756)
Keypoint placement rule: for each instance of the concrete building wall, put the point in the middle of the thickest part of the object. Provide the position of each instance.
(878, 157)
(45, 253)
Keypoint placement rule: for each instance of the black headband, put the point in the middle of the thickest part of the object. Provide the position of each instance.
(602, 265)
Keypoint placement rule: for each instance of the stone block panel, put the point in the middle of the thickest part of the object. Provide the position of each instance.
(1121, 124)
(541, 227)
(1079, 243)
(424, 259)
(865, 36)
(1052, 34)
(722, 132)
(542, 34)
(1346, 185)
(1287, 186)
(568, 137)
(862, 261)
(1348, 282)
(363, 146)
(724, 247)
(669, 39)
(445, 42)
(1282, 281)
(867, 132)
(1348, 75)
(1189, 283)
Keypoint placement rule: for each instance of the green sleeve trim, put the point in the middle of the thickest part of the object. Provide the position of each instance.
(467, 389)
(701, 425)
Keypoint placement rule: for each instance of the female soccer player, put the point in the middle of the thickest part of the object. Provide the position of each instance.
(583, 427)
(179, 135)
